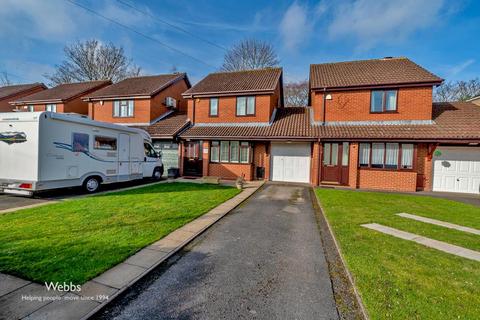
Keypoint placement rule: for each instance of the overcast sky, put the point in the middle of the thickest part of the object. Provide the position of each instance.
(442, 36)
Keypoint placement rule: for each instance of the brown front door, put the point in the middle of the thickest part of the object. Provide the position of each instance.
(335, 163)
(192, 158)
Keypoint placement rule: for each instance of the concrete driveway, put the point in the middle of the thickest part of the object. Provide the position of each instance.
(264, 260)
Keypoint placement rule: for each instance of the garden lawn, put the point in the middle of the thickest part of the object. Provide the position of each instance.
(78, 239)
(399, 279)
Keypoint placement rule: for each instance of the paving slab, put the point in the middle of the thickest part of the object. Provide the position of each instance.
(196, 225)
(146, 258)
(71, 307)
(165, 245)
(120, 275)
(10, 283)
(97, 290)
(439, 223)
(180, 235)
(431, 243)
(391, 231)
(26, 300)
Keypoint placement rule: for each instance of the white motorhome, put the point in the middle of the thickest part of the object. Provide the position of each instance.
(46, 150)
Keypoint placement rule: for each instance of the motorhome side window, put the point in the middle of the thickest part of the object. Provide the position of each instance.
(123, 108)
(80, 142)
(149, 151)
(105, 143)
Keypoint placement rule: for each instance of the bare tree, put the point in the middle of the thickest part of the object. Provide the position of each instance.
(5, 79)
(457, 90)
(296, 94)
(250, 54)
(92, 60)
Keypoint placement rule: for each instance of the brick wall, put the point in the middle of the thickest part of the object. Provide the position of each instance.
(354, 105)
(206, 158)
(227, 110)
(261, 159)
(157, 104)
(314, 164)
(76, 105)
(104, 112)
(231, 170)
(353, 165)
(424, 168)
(387, 180)
(42, 107)
(145, 110)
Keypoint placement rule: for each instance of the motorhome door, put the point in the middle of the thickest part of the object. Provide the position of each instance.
(124, 157)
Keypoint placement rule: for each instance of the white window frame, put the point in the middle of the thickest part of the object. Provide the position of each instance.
(123, 108)
(245, 106)
(52, 107)
(210, 113)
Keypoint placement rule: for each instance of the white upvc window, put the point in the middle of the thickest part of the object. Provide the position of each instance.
(391, 155)
(213, 111)
(245, 106)
(123, 108)
(51, 107)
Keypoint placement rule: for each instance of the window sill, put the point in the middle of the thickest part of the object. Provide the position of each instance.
(386, 169)
(234, 163)
(383, 112)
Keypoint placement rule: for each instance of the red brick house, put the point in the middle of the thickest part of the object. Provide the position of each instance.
(153, 103)
(64, 98)
(237, 118)
(380, 130)
(17, 91)
(370, 124)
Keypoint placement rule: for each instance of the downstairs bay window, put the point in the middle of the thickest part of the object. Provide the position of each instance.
(386, 155)
(230, 152)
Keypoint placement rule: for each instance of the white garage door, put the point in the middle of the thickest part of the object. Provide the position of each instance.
(456, 169)
(290, 162)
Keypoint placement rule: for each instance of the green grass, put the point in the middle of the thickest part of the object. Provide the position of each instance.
(400, 279)
(78, 239)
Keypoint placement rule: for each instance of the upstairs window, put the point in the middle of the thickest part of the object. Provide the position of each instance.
(30, 108)
(246, 106)
(383, 101)
(51, 107)
(213, 107)
(123, 108)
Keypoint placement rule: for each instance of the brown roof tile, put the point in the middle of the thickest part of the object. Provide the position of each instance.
(452, 121)
(293, 123)
(138, 86)
(167, 127)
(63, 92)
(8, 91)
(237, 81)
(387, 71)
